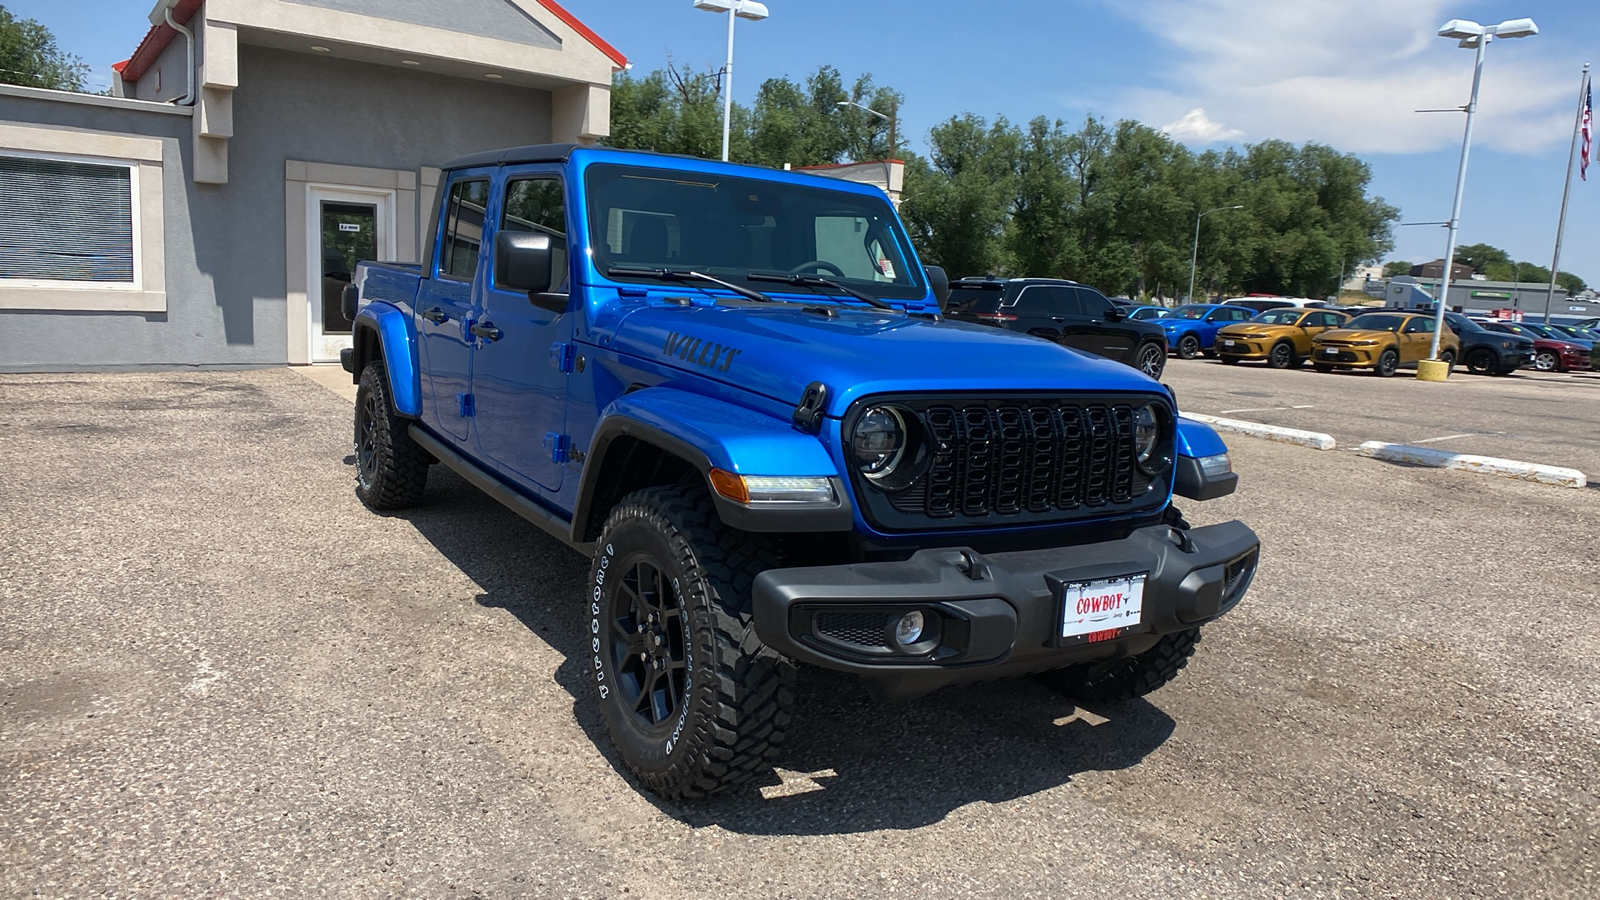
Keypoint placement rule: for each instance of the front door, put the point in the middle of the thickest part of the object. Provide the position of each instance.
(345, 227)
(518, 381)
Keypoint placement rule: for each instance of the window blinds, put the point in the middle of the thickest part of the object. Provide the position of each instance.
(65, 221)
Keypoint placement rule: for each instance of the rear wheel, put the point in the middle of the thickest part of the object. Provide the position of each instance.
(1449, 359)
(391, 470)
(1282, 355)
(1388, 364)
(694, 702)
(1547, 361)
(1120, 680)
(1151, 359)
(1188, 347)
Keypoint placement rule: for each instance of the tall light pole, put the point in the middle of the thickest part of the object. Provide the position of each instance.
(743, 9)
(1474, 37)
(1194, 257)
(889, 118)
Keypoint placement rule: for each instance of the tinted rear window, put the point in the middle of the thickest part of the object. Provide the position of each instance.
(974, 300)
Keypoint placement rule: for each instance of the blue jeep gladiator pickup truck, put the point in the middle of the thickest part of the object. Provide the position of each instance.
(732, 388)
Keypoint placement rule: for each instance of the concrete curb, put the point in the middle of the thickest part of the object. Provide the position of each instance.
(1484, 465)
(1316, 440)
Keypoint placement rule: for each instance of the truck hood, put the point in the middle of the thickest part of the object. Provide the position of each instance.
(777, 351)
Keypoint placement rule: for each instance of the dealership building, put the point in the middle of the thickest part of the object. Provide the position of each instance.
(209, 212)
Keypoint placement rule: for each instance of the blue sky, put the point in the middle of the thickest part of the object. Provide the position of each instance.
(1344, 72)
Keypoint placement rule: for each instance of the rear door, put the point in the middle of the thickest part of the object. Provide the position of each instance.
(1416, 339)
(523, 342)
(445, 303)
(1094, 332)
(1041, 310)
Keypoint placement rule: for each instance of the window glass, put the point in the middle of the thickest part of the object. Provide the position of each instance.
(1050, 300)
(65, 221)
(734, 226)
(1095, 305)
(463, 234)
(537, 204)
(1419, 325)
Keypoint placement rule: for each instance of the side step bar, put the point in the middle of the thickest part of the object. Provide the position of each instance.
(559, 528)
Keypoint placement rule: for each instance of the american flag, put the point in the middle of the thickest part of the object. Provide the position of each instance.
(1588, 133)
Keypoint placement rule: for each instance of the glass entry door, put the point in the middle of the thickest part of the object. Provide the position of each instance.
(348, 227)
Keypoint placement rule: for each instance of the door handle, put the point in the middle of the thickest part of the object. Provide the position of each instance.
(1057, 318)
(487, 331)
(436, 315)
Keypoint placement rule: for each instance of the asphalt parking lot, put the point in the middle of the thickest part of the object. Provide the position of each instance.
(221, 676)
(1540, 417)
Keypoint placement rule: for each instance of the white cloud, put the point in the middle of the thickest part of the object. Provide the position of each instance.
(1197, 128)
(1350, 73)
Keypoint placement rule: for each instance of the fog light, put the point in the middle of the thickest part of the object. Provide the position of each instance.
(908, 630)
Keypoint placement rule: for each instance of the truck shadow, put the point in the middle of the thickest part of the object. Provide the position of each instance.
(850, 764)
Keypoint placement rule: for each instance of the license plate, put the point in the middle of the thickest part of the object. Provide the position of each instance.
(1227, 343)
(1331, 352)
(1103, 608)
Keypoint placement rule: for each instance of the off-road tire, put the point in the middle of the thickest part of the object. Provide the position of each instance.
(733, 694)
(1482, 362)
(1388, 363)
(1121, 680)
(1281, 356)
(1547, 361)
(1188, 347)
(391, 470)
(1151, 359)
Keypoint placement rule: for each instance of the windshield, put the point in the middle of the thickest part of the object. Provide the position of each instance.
(1459, 324)
(1376, 322)
(1149, 312)
(732, 226)
(1514, 328)
(1279, 317)
(1189, 312)
(1541, 331)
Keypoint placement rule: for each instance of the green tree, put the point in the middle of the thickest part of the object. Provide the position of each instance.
(1481, 256)
(29, 57)
(958, 200)
(1398, 267)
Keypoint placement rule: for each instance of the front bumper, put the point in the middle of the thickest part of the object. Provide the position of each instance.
(1242, 348)
(998, 614)
(1345, 355)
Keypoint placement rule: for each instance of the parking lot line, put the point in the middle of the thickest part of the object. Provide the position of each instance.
(1265, 409)
(1451, 437)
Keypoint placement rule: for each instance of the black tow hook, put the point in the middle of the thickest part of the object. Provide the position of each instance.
(970, 566)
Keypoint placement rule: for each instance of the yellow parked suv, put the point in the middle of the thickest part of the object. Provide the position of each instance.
(1281, 337)
(1382, 342)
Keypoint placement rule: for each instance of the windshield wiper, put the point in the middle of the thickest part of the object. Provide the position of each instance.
(686, 275)
(814, 281)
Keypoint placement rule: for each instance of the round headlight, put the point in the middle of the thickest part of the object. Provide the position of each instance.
(1150, 438)
(879, 442)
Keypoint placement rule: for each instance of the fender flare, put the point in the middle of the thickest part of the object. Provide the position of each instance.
(1195, 441)
(393, 333)
(709, 433)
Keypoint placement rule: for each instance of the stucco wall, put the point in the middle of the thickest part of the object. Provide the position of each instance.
(225, 244)
(485, 18)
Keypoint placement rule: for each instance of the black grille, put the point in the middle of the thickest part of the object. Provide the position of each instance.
(861, 629)
(1017, 459)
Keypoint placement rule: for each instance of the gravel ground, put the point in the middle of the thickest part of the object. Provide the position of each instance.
(221, 676)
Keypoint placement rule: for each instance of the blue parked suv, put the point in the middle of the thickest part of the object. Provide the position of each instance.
(732, 388)
(1192, 328)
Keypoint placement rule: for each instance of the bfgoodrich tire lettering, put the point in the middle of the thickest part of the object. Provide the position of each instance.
(694, 702)
(391, 470)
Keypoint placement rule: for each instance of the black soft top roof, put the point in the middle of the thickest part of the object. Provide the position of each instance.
(533, 153)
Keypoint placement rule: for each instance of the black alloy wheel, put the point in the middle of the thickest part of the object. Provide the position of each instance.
(1547, 361)
(1388, 363)
(1188, 347)
(1152, 360)
(1282, 355)
(648, 645)
(1482, 362)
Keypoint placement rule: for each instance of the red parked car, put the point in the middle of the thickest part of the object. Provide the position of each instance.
(1549, 355)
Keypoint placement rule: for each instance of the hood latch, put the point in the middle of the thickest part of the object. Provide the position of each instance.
(808, 415)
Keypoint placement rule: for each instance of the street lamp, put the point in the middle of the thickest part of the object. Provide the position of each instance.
(743, 9)
(1473, 37)
(1194, 257)
(889, 118)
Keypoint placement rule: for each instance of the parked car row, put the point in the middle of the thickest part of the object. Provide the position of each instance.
(1074, 315)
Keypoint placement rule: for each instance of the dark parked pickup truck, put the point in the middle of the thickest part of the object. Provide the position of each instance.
(733, 389)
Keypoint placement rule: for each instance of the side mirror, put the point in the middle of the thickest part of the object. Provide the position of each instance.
(940, 282)
(522, 261)
(349, 298)
(1116, 313)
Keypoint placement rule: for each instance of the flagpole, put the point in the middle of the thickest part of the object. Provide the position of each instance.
(1566, 188)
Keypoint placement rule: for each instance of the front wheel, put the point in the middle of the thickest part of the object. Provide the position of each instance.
(1388, 364)
(694, 702)
(1188, 347)
(1121, 680)
(391, 469)
(1152, 360)
(1546, 361)
(1281, 357)
(1482, 362)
